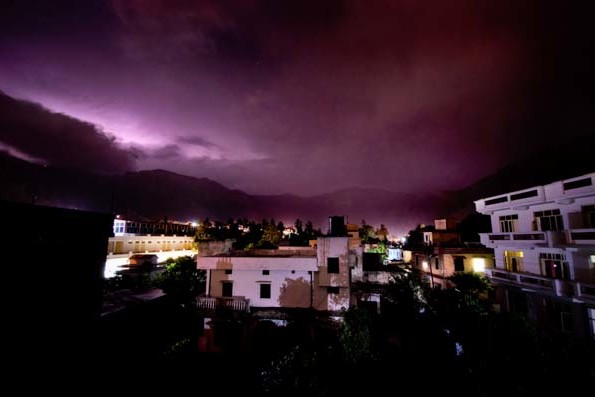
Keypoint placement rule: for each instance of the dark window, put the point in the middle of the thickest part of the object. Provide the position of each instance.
(549, 220)
(333, 265)
(228, 271)
(293, 272)
(332, 290)
(576, 184)
(459, 264)
(497, 200)
(227, 290)
(588, 216)
(518, 196)
(265, 272)
(436, 263)
(265, 291)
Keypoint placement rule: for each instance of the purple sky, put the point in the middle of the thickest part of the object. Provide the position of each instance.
(303, 96)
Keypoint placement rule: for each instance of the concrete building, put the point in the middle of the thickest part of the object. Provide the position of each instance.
(128, 241)
(442, 253)
(315, 277)
(544, 243)
(439, 263)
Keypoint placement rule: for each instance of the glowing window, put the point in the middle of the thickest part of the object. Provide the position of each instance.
(479, 265)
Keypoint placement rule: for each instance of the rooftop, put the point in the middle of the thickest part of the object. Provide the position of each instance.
(285, 253)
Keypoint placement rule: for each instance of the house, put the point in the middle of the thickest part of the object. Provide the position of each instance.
(163, 239)
(316, 276)
(544, 243)
(442, 253)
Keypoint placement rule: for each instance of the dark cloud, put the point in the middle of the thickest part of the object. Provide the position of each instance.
(198, 141)
(310, 96)
(57, 139)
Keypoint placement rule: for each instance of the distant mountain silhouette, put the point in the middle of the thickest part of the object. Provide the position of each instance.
(160, 194)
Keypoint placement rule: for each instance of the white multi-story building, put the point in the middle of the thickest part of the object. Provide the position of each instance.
(544, 245)
(290, 277)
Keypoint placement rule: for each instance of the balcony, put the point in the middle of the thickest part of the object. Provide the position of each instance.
(525, 280)
(581, 236)
(210, 304)
(523, 238)
(585, 291)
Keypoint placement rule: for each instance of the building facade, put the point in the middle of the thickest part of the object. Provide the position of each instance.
(544, 244)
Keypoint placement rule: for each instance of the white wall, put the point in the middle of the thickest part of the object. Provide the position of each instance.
(288, 289)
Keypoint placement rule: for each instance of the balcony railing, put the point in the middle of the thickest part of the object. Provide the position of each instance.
(581, 236)
(233, 304)
(585, 291)
(523, 279)
(517, 238)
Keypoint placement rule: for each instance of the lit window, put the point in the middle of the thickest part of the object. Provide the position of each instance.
(424, 265)
(513, 260)
(479, 265)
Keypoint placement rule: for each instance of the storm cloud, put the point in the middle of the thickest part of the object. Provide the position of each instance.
(305, 96)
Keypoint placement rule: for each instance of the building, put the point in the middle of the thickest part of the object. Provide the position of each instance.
(131, 238)
(442, 253)
(544, 243)
(316, 277)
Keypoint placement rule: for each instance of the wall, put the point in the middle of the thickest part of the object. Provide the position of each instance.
(143, 244)
(332, 247)
(289, 288)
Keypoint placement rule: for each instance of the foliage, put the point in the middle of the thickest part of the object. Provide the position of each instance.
(380, 249)
(355, 335)
(271, 236)
(181, 280)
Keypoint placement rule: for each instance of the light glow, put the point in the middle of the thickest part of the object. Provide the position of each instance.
(424, 265)
(479, 265)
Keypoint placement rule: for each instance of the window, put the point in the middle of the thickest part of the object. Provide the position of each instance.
(513, 260)
(554, 266)
(332, 265)
(265, 291)
(588, 212)
(459, 263)
(228, 271)
(549, 220)
(497, 200)
(293, 272)
(436, 263)
(227, 289)
(332, 290)
(509, 223)
(265, 272)
(578, 183)
(523, 195)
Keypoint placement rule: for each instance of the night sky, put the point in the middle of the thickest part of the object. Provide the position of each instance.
(302, 96)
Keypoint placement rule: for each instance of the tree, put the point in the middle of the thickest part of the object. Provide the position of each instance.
(382, 233)
(298, 226)
(356, 336)
(270, 236)
(181, 280)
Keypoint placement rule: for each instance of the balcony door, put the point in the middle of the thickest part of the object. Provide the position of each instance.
(227, 289)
